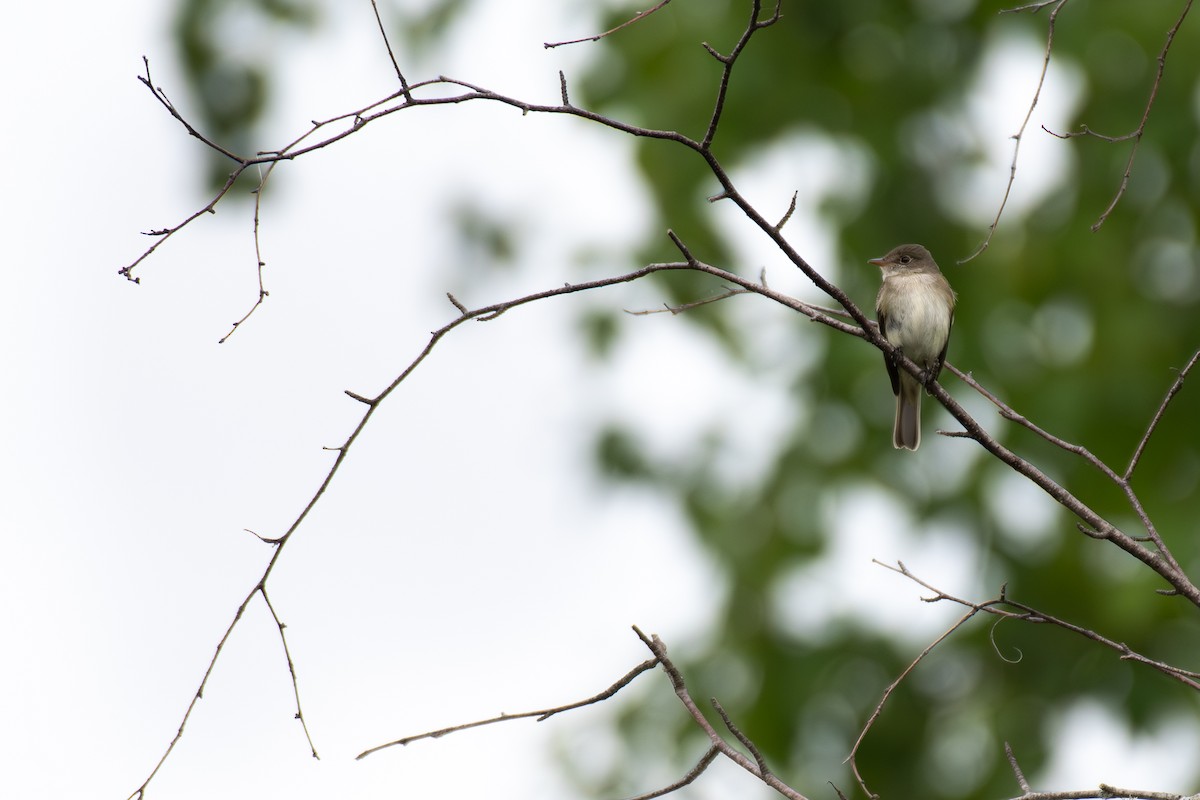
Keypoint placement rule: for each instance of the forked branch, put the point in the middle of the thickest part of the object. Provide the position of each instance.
(1137, 133)
(1020, 134)
(756, 766)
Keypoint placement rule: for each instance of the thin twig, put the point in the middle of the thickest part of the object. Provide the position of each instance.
(701, 765)
(258, 257)
(161, 96)
(1136, 134)
(655, 645)
(291, 668)
(140, 792)
(1018, 773)
(791, 209)
(1162, 64)
(1122, 482)
(1000, 605)
(728, 61)
(1019, 135)
(852, 759)
(391, 54)
(682, 307)
(353, 121)
(1105, 792)
(638, 17)
(543, 714)
(1158, 415)
(1159, 558)
(163, 234)
(763, 769)
(1032, 7)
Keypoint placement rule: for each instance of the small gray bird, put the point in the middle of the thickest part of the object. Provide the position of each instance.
(915, 308)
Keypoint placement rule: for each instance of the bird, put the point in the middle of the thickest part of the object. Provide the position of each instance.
(915, 310)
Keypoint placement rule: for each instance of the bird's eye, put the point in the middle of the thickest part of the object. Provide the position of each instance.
(905, 259)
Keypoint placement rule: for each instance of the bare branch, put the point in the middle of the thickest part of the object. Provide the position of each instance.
(728, 61)
(763, 769)
(1104, 791)
(383, 33)
(810, 310)
(791, 209)
(1016, 768)
(562, 88)
(161, 96)
(1158, 415)
(719, 745)
(659, 650)
(852, 759)
(1012, 415)
(1122, 482)
(1136, 134)
(695, 772)
(638, 17)
(262, 290)
(682, 307)
(1158, 559)
(140, 792)
(353, 121)
(291, 669)
(543, 714)
(1032, 7)
(260, 537)
(683, 248)
(1037, 93)
(1001, 605)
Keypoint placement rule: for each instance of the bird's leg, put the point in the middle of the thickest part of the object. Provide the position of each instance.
(929, 373)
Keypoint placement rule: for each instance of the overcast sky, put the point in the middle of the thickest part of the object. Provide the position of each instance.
(463, 564)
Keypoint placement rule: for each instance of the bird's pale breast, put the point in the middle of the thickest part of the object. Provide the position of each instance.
(918, 318)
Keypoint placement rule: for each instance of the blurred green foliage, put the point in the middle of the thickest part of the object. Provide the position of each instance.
(225, 50)
(1081, 331)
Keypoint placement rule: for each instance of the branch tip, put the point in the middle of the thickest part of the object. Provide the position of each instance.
(638, 17)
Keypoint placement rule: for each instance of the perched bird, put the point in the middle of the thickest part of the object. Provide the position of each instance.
(915, 308)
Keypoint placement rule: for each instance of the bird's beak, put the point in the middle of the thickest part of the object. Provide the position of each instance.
(879, 262)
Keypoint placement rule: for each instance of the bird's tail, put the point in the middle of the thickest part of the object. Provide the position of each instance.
(907, 431)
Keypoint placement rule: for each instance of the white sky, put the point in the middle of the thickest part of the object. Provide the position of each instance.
(463, 564)
(455, 570)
